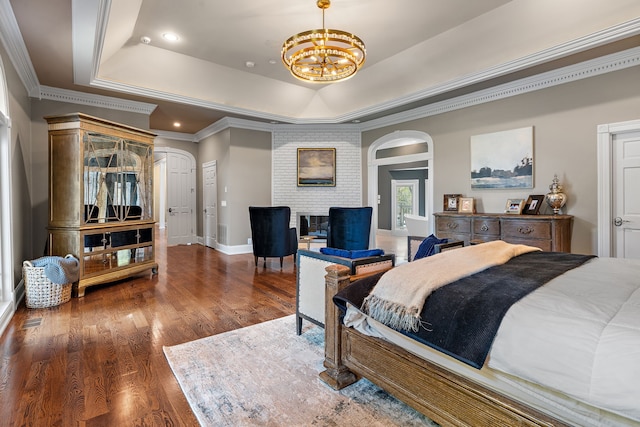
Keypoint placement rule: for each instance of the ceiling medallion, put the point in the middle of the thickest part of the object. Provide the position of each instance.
(324, 55)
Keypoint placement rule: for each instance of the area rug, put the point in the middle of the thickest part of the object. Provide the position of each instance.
(266, 375)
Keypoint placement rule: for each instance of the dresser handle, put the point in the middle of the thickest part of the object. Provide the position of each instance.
(452, 225)
(484, 227)
(525, 230)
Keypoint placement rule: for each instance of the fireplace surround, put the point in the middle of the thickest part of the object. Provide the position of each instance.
(313, 224)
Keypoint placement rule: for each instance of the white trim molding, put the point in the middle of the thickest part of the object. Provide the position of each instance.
(13, 43)
(82, 98)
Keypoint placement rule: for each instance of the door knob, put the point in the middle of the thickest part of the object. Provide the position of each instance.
(170, 210)
(619, 221)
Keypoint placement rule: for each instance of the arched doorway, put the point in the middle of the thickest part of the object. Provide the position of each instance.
(406, 154)
(179, 195)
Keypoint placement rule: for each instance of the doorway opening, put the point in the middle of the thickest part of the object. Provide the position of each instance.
(401, 155)
(405, 201)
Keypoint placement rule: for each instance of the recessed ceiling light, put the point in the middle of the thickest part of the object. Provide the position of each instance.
(250, 64)
(176, 124)
(273, 61)
(145, 39)
(170, 37)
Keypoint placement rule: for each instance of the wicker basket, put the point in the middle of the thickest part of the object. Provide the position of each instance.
(40, 291)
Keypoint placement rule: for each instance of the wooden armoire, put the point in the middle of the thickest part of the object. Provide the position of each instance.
(101, 197)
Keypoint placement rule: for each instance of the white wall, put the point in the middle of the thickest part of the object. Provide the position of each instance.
(316, 200)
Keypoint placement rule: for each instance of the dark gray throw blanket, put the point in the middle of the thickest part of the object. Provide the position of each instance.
(464, 316)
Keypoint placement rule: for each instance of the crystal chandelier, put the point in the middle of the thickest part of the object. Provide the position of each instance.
(323, 56)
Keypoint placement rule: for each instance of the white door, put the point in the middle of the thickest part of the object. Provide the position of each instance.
(209, 199)
(180, 199)
(626, 195)
(404, 194)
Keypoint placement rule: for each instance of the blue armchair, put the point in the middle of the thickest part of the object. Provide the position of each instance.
(270, 233)
(349, 228)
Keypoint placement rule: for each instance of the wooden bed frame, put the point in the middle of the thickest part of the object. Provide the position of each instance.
(444, 396)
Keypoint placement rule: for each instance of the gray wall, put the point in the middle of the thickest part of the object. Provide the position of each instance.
(216, 147)
(243, 161)
(250, 180)
(565, 120)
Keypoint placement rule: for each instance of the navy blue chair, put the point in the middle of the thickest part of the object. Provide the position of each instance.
(349, 228)
(270, 233)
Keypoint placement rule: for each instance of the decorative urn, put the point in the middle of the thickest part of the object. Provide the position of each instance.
(556, 199)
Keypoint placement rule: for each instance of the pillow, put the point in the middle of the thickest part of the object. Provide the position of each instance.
(428, 246)
(362, 253)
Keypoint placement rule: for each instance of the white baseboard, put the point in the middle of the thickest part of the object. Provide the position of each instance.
(234, 250)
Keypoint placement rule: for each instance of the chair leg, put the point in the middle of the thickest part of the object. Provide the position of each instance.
(256, 261)
(265, 262)
(281, 263)
(298, 325)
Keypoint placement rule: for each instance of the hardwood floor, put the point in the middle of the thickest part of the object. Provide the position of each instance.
(98, 360)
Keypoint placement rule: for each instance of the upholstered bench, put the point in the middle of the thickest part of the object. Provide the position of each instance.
(311, 281)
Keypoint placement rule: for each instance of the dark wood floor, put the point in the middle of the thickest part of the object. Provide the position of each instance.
(98, 360)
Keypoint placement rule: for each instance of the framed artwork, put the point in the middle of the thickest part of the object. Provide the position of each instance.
(533, 204)
(514, 206)
(451, 202)
(466, 205)
(316, 167)
(502, 159)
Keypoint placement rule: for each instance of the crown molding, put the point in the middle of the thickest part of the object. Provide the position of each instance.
(583, 70)
(180, 136)
(16, 49)
(75, 97)
(231, 122)
(171, 97)
(608, 35)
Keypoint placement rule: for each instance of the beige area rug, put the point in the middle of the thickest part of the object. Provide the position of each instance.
(266, 375)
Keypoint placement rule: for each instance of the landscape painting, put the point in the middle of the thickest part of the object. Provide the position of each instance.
(502, 159)
(316, 167)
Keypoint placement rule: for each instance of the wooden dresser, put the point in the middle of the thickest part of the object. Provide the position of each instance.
(547, 232)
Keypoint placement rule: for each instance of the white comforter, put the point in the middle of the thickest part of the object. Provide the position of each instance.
(579, 336)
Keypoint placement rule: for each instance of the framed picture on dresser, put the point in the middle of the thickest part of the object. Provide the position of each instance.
(466, 205)
(450, 203)
(533, 204)
(514, 206)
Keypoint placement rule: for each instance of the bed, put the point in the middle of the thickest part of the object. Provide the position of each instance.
(453, 393)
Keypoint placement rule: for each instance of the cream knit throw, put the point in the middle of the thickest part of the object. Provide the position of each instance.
(398, 297)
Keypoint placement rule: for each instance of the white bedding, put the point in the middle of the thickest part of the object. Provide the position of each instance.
(574, 335)
(579, 334)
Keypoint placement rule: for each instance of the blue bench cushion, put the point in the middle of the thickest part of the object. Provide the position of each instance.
(361, 253)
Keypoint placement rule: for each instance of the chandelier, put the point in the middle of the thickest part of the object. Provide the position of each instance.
(323, 56)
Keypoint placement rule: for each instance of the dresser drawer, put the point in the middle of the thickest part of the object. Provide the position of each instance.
(545, 245)
(526, 229)
(453, 225)
(485, 227)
